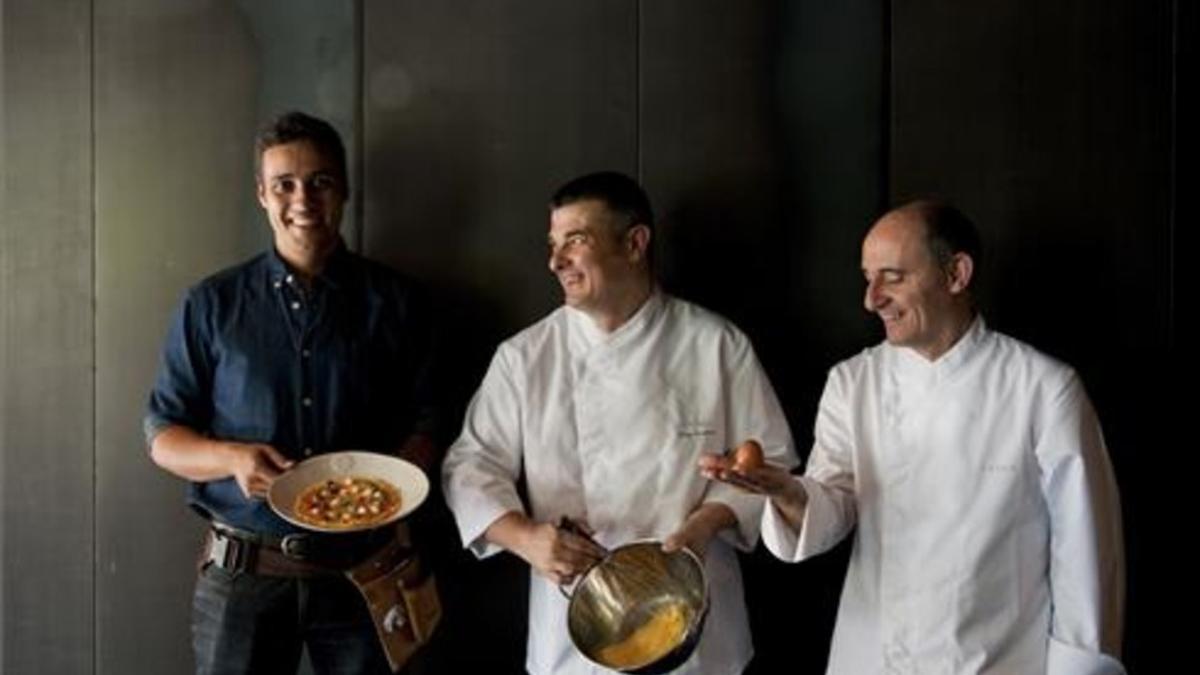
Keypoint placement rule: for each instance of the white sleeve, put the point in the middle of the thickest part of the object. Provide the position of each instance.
(481, 469)
(1087, 575)
(828, 481)
(752, 411)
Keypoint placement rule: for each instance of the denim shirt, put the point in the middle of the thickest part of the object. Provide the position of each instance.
(251, 355)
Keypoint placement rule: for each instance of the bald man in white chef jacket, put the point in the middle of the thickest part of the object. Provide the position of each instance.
(606, 405)
(973, 473)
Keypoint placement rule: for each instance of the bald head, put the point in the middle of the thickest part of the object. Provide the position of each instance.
(946, 231)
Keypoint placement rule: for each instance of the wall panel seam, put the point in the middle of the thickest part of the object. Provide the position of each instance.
(637, 93)
(360, 124)
(95, 562)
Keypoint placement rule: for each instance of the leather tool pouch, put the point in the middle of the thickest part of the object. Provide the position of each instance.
(402, 598)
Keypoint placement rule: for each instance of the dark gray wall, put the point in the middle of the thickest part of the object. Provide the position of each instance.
(47, 364)
(769, 134)
(1052, 125)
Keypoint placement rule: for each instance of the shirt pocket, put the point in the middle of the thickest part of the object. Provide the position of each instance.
(245, 392)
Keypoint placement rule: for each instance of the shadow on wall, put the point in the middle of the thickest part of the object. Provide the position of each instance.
(429, 226)
(724, 246)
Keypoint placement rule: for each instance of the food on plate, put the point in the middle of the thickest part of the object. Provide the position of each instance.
(747, 456)
(650, 641)
(351, 501)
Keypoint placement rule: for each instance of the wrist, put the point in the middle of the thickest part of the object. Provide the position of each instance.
(792, 504)
(231, 456)
(713, 517)
(797, 495)
(513, 532)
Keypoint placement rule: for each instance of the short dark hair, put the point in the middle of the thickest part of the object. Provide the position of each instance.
(296, 126)
(948, 231)
(620, 193)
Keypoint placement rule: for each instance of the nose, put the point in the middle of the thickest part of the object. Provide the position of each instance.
(872, 298)
(556, 261)
(303, 195)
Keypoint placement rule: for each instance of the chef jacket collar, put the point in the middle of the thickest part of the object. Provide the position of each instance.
(912, 364)
(592, 335)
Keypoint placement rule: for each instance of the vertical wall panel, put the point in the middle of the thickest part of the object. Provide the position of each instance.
(761, 145)
(1049, 123)
(714, 177)
(180, 89)
(46, 360)
(474, 112)
(175, 104)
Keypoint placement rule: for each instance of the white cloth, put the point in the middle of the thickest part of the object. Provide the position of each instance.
(989, 532)
(608, 429)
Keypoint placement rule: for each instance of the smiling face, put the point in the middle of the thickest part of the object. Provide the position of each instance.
(601, 269)
(923, 306)
(302, 192)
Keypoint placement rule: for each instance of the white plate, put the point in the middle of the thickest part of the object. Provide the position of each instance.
(407, 478)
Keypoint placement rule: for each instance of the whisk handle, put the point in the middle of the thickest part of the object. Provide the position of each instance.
(567, 525)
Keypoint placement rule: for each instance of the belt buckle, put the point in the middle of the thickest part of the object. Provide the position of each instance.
(231, 553)
(295, 546)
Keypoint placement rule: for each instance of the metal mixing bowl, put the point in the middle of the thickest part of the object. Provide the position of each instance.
(625, 590)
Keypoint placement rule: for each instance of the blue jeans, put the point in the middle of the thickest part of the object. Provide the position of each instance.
(246, 624)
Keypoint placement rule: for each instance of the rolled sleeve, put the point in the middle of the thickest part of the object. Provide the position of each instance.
(828, 482)
(1064, 659)
(181, 392)
(823, 526)
(778, 536)
(753, 412)
(746, 507)
(482, 467)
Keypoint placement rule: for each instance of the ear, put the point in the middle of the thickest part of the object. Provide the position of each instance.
(638, 242)
(260, 191)
(958, 274)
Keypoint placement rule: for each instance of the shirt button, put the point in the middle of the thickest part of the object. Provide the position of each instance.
(308, 452)
(295, 305)
(306, 353)
(306, 401)
(278, 284)
(288, 278)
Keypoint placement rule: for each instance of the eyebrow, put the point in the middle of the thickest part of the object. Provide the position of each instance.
(320, 173)
(569, 233)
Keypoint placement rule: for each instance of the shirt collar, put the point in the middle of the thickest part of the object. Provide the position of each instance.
(335, 275)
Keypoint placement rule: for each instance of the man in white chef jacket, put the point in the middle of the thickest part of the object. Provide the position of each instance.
(988, 532)
(607, 404)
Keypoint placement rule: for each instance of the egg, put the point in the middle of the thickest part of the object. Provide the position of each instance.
(747, 456)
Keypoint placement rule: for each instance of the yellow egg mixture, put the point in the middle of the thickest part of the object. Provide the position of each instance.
(651, 641)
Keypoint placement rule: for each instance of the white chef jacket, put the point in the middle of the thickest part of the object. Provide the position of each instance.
(989, 532)
(608, 428)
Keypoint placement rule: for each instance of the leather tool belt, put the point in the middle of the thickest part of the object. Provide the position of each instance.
(401, 596)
